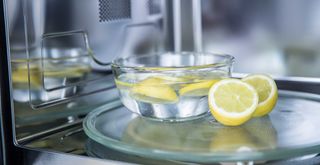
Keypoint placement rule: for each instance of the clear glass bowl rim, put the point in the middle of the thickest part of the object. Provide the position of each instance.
(116, 63)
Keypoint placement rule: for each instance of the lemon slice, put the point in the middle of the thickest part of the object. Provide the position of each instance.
(170, 79)
(154, 90)
(232, 102)
(122, 84)
(127, 80)
(267, 91)
(197, 89)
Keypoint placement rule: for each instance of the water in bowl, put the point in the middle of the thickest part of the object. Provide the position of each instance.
(176, 96)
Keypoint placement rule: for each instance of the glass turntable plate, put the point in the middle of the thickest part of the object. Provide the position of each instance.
(291, 130)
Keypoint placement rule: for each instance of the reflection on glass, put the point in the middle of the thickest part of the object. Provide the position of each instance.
(201, 135)
(47, 74)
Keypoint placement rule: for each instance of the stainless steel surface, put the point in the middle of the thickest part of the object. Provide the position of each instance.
(50, 31)
(29, 121)
(45, 157)
(177, 25)
(197, 25)
(45, 133)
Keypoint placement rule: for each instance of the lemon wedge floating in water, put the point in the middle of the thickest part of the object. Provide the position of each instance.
(267, 91)
(170, 79)
(232, 102)
(175, 82)
(154, 90)
(197, 89)
(123, 84)
(127, 80)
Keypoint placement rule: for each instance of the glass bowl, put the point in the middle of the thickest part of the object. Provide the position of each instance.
(169, 86)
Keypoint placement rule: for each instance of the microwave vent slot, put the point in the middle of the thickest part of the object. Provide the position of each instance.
(154, 7)
(114, 10)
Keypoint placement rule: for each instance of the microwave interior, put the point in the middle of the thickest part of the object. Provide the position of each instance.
(60, 54)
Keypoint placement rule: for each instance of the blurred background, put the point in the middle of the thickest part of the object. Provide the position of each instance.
(280, 37)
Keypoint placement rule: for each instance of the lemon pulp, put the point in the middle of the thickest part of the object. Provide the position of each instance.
(232, 102)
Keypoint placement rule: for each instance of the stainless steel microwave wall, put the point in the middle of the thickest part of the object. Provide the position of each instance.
(55, 56)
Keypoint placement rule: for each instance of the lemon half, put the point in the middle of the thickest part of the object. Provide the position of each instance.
(267, 91)
(232, 102)
(154, 90)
